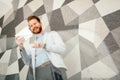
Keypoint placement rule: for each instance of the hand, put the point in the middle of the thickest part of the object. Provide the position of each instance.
(20, 40)
(37, 45)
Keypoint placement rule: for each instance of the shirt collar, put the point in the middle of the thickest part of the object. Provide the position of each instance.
(40, 34)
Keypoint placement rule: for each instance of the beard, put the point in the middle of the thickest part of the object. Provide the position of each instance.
(37, 30)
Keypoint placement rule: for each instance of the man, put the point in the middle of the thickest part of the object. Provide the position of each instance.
(43, 52)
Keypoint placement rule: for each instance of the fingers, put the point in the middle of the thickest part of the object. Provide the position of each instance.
(19, 40)
(37, 45)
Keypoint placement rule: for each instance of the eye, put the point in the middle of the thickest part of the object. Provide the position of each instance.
(34, 23)
(31, 25)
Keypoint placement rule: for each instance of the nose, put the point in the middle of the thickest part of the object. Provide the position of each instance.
(34, 26)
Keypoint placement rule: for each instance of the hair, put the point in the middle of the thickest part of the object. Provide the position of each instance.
(33, 17)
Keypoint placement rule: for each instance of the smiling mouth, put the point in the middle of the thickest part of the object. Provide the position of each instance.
(37, 30)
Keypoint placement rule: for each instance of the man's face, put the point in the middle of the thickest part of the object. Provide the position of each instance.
(35, 26)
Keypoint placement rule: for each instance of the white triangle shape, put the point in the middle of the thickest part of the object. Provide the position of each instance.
(13, 68)
(6, 57)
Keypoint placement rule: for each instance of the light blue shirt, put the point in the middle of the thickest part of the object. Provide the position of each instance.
(55, 47)
(40, 53)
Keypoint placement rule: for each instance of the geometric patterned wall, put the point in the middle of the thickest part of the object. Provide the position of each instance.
(89, 28)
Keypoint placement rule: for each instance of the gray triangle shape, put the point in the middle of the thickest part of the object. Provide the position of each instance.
(116, 58)
(39, 11)
(116, 35)
(28, 1)
(88, 52)
(111, 44)
(74, 22)
(90, 14)
(13, 56)
(95, 1)
(66, 2)
(1, 54)
(48, 5)
(3, 44)
(1, 21)
(9, 19)
(112, 20)
(15, 4)
(11, 43)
